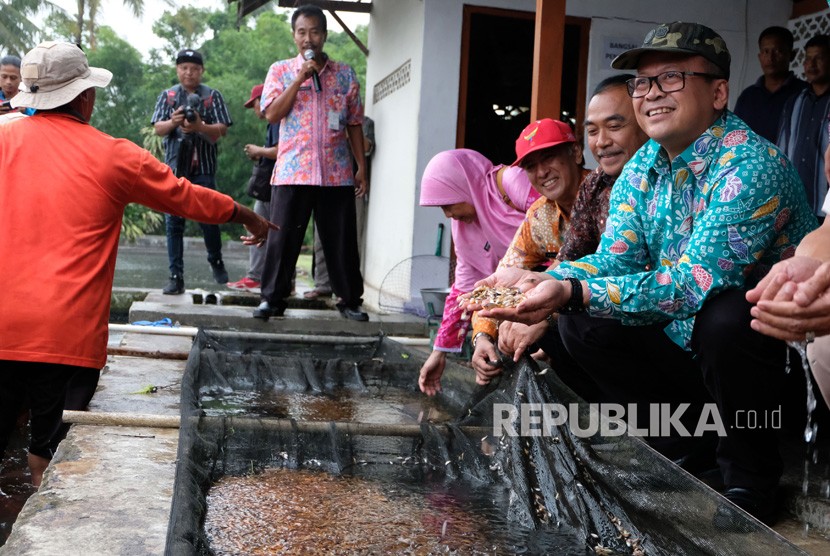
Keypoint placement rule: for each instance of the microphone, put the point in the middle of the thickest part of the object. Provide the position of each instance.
(315, 77)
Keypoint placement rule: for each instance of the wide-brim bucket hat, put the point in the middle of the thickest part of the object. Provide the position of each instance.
(54, 73)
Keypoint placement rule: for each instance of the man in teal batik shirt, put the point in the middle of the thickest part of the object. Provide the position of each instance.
(658, 314)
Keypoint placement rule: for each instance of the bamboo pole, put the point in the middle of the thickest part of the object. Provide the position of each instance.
(121, 419)
(268, 423)
(162, 330)
(305, 338)
(319, 339)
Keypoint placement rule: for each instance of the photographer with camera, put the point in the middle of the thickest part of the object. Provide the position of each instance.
(191, 117)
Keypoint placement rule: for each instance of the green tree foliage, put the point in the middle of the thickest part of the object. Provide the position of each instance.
(183, 29)
(139, 220)
(17, 32)
(245, 57)
(86, 19)
(121, 105)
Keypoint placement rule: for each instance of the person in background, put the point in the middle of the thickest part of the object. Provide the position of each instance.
(191, 117)
(252, 280)
(792, 302)
(613, 137)
(760, 105)
(487, 204)
(548, 152)
(316, 100)
(659, 313)
(73, 251)
(9, 83)
(803, 129)
(362, 206)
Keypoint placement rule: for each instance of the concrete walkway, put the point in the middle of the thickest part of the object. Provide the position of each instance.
(233, 311)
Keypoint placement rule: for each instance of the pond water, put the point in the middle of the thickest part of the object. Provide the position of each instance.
(376, 405)
(15, 481)
(144, 264)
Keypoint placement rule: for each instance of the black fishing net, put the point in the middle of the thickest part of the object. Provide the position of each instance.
(349, 407)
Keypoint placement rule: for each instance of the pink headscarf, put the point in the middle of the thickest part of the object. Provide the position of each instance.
(466, 176)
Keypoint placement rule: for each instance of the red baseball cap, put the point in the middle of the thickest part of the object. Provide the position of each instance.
(542, 134)
(256, 92)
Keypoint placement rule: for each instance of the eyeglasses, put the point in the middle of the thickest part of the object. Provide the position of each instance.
(667, 82)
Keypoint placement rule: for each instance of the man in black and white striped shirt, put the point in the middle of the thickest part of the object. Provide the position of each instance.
(191, 117)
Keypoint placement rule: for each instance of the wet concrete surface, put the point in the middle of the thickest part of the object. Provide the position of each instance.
(143, 264)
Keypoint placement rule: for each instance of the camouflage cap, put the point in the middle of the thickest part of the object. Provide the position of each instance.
(688, 38)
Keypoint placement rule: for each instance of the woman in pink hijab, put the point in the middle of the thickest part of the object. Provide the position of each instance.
(487, 203)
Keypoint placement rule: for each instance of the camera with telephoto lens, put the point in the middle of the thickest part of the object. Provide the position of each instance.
(191, 107)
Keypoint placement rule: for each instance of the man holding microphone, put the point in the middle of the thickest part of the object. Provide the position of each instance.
(316, 101)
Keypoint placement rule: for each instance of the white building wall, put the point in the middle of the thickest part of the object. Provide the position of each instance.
(395, 36)
(418, 120)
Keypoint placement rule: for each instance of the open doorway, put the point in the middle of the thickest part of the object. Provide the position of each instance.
(497, 73)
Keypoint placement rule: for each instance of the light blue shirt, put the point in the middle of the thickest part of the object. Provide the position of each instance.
(27, 111)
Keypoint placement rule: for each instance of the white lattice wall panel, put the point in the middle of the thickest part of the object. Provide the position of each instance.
(804, 28)
(392, 82)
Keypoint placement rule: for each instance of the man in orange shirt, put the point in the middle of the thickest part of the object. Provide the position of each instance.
(62, 198)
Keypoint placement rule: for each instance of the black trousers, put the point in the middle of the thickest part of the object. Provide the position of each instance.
(44, 388)
(742, 371)
(334, 217)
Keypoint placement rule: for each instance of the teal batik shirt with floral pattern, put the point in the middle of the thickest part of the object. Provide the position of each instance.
(716, 217)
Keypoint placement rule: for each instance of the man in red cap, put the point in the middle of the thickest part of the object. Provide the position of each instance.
(548, 152)
(264, 158)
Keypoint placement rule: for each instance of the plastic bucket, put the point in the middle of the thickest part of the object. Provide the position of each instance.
(434, 299)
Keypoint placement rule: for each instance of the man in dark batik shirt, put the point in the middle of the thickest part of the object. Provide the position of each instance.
(613, 138)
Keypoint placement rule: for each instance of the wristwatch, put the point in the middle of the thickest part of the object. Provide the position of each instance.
(575, 304)
(485, 334)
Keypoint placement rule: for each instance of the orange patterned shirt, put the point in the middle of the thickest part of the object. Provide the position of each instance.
(539, 237)
(536, 243)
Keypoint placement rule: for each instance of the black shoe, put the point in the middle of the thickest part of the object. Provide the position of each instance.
(175, 286)
(353, 313)
(757, 502)
(265, 311)
(219, 272)
(704, 467)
